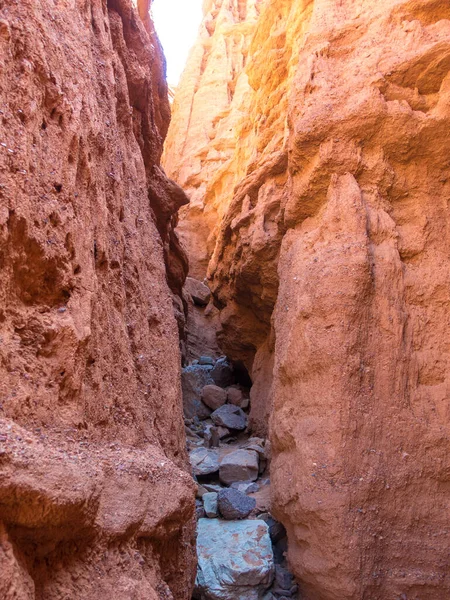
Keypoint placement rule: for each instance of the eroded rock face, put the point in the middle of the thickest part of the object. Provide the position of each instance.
(94, 499)
(206, 112)
(330, 268)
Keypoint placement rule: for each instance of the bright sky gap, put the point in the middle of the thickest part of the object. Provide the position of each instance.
(177, 23)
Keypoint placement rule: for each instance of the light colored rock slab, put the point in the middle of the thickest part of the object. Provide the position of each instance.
(235, 560)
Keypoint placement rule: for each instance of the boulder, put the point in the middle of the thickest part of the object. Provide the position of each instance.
(240, 465)
(223, 373)
(235, 560)
(229, 416)
(214, 396)
(200, 293)
(234, 504)
(193, 380)
(204, 461)
(210, 504)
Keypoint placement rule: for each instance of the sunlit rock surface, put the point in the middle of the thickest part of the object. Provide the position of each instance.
(95, 498)
(326, 220)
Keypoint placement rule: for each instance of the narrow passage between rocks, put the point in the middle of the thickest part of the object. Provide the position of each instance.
(241, 548)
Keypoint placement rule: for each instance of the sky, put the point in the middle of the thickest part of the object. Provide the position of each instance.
(176, 22)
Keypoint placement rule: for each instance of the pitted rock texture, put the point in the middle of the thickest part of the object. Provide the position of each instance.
(330, 268)
(90, 398)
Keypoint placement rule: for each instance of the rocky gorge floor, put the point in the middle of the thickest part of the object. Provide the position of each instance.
(240, 546)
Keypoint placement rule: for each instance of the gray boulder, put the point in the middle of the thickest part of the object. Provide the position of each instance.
(214, 396)
(235, 560)
(210, 505)
(234, 504)
(204, 461)
(229, 416)
(223, 373)
(193, 380)
(240, 465)
(200, 293)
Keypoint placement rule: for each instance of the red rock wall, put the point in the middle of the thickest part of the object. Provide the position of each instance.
(94, 499)
(331, 271)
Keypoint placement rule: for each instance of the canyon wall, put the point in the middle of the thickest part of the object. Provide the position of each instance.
(95, 500)
(326, 237)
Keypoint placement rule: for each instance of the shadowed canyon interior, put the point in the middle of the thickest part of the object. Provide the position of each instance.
(280, 245)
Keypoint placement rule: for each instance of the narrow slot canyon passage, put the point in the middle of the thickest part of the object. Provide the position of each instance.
(224, 299)
(241, 548)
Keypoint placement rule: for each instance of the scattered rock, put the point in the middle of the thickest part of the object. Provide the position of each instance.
(214, 396)
(235, 560)
(229, 416)
(204, 461)
(222, 373)
(245, 487)
(210, 504)
(240, 465)
(193, 380)
(234, 504)
(200, 293)
(206, 360)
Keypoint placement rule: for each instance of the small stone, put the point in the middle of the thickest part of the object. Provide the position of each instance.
(200, 293)
(210, 504)
(229, 416)
(204, 461)
(234, 505)
(240, 465)
(223, 373)
(245, 487)
(206, 360)
(214, 396)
